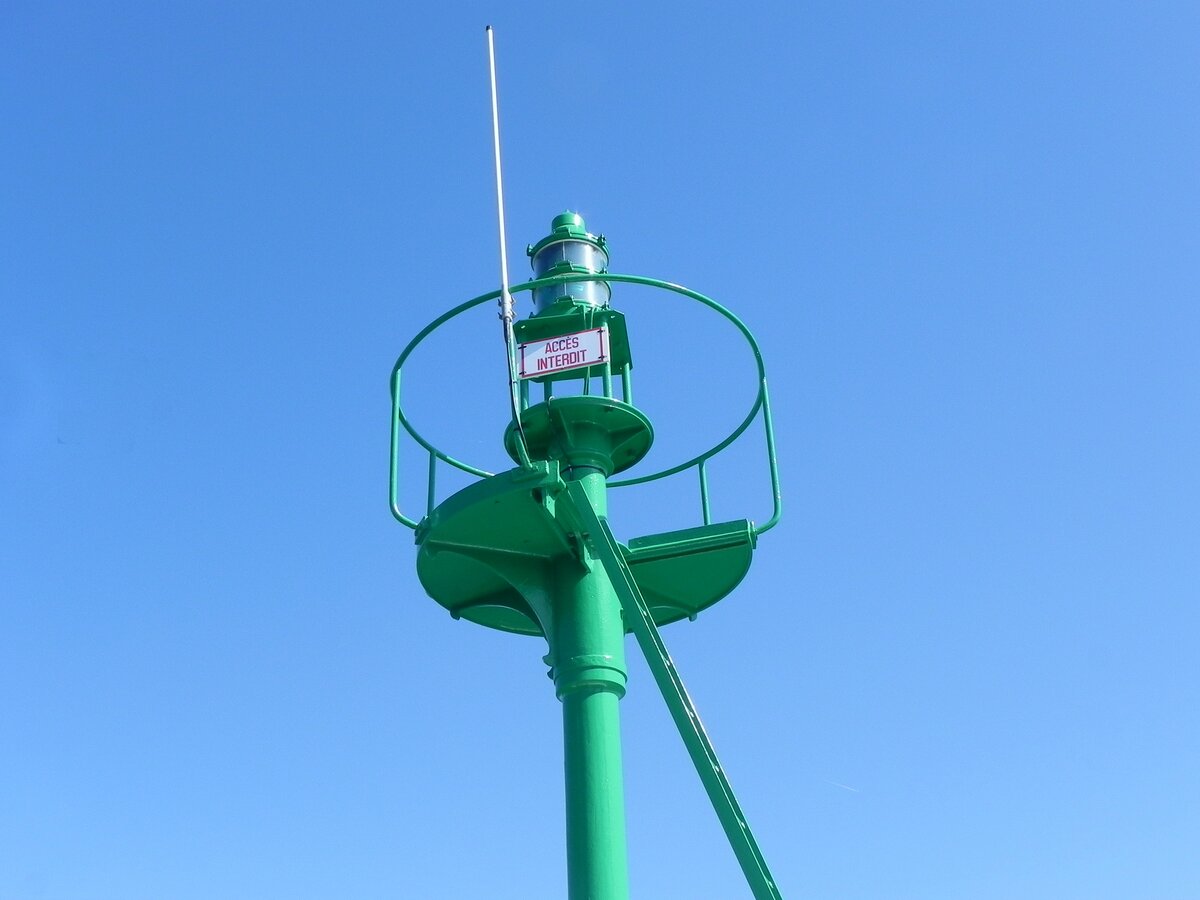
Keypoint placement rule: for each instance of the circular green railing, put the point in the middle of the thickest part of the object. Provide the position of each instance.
(699, 462)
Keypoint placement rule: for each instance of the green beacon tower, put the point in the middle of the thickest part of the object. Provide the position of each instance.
(529, 550)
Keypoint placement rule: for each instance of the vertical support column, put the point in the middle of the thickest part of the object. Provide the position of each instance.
(683, 710)
(588, 646)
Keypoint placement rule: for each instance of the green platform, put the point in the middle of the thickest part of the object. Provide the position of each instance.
(485, 552)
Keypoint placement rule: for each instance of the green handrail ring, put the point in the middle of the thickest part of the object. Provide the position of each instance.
(761, 400)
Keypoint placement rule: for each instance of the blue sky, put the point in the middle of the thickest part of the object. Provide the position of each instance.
(964, 665)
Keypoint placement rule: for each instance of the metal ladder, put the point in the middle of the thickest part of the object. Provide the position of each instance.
(599, 538)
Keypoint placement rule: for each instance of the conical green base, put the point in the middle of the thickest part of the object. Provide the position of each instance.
(589, 431)
(488, 545)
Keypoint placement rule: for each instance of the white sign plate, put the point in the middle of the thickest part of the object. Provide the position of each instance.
(563, 352)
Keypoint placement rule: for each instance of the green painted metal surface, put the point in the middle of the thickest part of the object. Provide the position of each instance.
(529, 551)
(566, 225)
(488, 548)
(704, 756)
(400, 423)
(600, 432)
(681, 573)
(586, 634)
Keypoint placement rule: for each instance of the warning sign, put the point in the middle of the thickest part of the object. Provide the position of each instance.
(563, 352)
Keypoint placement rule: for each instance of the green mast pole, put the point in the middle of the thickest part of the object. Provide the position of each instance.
(530, 551)
(584, 624)
(589, 677)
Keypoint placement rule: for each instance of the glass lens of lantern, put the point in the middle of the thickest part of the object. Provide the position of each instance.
(582, 254)
(579, 253)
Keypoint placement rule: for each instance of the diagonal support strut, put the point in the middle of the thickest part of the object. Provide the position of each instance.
(683, 710)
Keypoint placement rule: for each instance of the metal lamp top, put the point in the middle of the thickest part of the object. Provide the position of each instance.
(568, 226)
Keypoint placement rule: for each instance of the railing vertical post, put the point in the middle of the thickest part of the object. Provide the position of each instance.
(431, 497)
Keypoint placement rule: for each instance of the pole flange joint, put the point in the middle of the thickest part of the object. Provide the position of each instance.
(589, 672)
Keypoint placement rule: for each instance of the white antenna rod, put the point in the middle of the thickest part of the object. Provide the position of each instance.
(506, 301)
